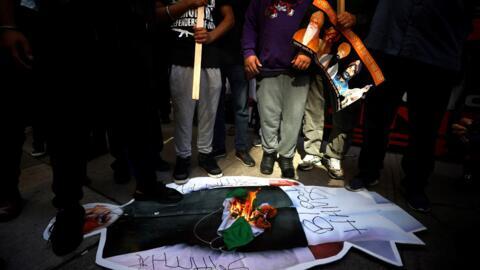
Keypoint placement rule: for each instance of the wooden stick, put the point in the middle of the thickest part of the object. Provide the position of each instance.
(197, 64)
(340, 6)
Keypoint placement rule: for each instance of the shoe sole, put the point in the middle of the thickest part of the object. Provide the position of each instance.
(248, 165)
(371, 184)
(332, 176)
(181, 182)
(421, 210)
(347, 187)
(310, 167)
(374, 183)
(266, 172)
(215, 175)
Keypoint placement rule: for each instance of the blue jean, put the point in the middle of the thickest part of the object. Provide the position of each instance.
(239, 87)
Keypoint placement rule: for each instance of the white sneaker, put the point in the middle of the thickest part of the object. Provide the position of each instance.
(308, 162)
(334, 167)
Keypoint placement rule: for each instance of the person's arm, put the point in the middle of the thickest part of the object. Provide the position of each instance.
(203, 36)
(11, 38)
(172, 12)
(249, 41)
(346, 20)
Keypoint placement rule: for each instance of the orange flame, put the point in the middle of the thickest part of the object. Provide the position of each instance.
(243, 209)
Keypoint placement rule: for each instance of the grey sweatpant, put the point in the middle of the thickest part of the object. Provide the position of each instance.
(281, 104)
(313, 124)
(184, 108)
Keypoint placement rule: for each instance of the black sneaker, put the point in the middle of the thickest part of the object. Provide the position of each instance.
(245, 157)
(334, 168)
(182, 170)
(219, 153)
(268, 161)
(160, 193)
(418, 201)
(286, 165)
(10, 208)
(67, 231)
(360, 182)
(209, 164)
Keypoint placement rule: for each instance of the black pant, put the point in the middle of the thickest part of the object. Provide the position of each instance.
(95, 67)
(428, 89)
(22, 110)
(14, 137)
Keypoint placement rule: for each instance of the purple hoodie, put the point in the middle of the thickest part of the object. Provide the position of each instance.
(268, 32)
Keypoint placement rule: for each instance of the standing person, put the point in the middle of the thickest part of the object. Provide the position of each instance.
(418, 45)
(234, 71)
(84, 44)
(343, 122)
(183, 33)
(16, 70)
(282, 81)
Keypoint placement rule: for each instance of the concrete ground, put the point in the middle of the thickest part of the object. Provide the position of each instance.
(453, 225)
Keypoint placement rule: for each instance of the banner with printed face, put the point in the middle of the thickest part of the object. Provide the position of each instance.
(342, 58)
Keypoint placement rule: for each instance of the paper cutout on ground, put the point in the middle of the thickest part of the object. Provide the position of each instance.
(333, 220)
(98, 216)
(339, 54)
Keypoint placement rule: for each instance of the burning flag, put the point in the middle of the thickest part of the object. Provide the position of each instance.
(241, 221)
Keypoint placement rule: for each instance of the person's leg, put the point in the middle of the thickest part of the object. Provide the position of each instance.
(340, 138)
(118, 150)
(294, 95)
(142, 153)
(65, 60)
(13, 131)
(380, 107)
(426, 101)
(219, 133)
(154, 116)
(69, 167)
(239, 86)
(69, 173)
(313, 124)
(211, 88)
(257, 138)
(183, 109)
(269, 96)
(10, 199)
